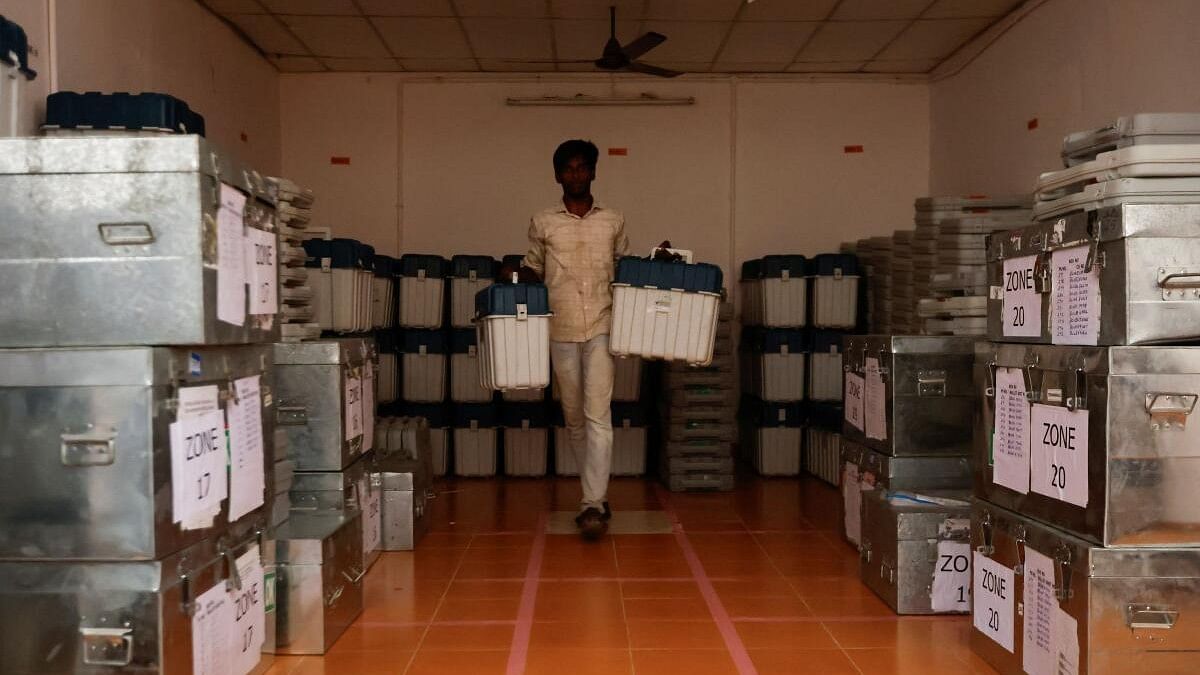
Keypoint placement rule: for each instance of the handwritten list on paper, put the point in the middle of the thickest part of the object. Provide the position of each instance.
(247, 481)
(1010, 438)
(1075, 312)
(210, 632)
(853, 398)
(876, 401)
(1039, 603)
(354, 412)
(231, 257)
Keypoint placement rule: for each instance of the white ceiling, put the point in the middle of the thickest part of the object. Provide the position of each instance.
(727, 36)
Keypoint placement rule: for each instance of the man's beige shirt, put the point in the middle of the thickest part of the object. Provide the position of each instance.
(575, 256)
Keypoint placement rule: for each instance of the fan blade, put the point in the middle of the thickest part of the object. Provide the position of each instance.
(646, 68)
(546, 60)
(643, 44)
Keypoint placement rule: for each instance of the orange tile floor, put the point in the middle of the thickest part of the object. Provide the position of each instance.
(755, 580)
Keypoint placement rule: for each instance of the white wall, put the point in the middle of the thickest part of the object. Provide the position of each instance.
(1072, 65)
(471, 169)
(170, 46)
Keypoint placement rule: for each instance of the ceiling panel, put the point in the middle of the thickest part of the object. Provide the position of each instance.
(585, 38)
(756, 67)
(406, 7)
(596, 9)
(423, 37)
(826, 67)
(963, 9)
(268, 33)
(315, 7)
(509, 38)
(297, 64)
(521, 9)
(909, 66)
(439, 65)
(235, 6)
(870, 10)
(688, 41)
(766, 42)
(502, 66)
(685, 66)
(360, 65)
(851, 40)
(696, 10)
(787, 10)
(934, 39)
(339, 36)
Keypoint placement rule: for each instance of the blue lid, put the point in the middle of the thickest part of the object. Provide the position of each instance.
(697, 277)
(122, 110)
(773, 266)
(513, 259)
(13, 41)
(752, 269)
(774, 339)
(484, 414)
(761, 413)
(384, 265)
(484, 266)
(342, 253)
(635, 413)
(828, 264)
(825, 415)
(513, 414)
(462, 339)
(826, 341)
(411, 265)
(436, 414)
(410, 341)
(385, 341)
(502, 300)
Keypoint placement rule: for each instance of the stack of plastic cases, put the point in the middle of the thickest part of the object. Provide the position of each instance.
(751, 292)
(823, 440)
(903, 302)
(784, 288)
(14, 74)
(439, 417)
(466, 382)
(388, 381)
(422, 290)
(773, 435)
(475, 439)
(1140, 129)
(526, 438)
(383, 295)
(835, 291)
(825, 367)
(665, 310)
(630, 422)
(422, 365)
(469, 274)
(776, 363)
(627, 380)
(342, 282)
(513, 332)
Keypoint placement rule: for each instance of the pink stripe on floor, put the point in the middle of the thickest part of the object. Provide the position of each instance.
(519, 652)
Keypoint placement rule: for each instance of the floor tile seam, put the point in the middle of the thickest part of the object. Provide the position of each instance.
(778, 571)
(518, 654)
(844, 651)
(624, 614)
(441, 601)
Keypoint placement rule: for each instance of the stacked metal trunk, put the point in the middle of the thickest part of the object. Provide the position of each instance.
(1086, 521)
(137, 400)
(700, 421)
(906, 434)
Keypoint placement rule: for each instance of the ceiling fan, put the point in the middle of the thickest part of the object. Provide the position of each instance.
(616, 57)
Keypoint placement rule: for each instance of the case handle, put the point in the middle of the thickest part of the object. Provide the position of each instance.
(1062, 568)
(1179, 280)
(291, 415)
(107, 646)
(356, 577)
(126, 234)
(335, 596)
(1151, 617)
(1168, 409)
(985, 530)
(931, 383)
(95, 447)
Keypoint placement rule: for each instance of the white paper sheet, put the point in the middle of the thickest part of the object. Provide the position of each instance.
(211, 654)
(952, 577)
(249, 625)
(195, 401)
(854, 392)
(247, 481)
(1039, 604)
(262, 271)
(992, 595)
(1022, 303)
(851, 501)
(368, 407)
(1075, 308)
(198, 475)
(1010, 436)
(875, 401)
(1066, 643)
(371, 513)
(1059, 453)
(354, 413)
(231, 257)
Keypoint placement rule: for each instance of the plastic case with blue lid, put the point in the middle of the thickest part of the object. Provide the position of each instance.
(468, 274)
(513, 327)
(465, 362)
(388, 381)
(750, 285)
(423, 364)
(785, 291)
(343, 283)
(121, 111)
(440, 418)
(835, 280)
(526, 438)
(772, 436)
(422, 290)
(774, 367)
(825, 366)
(475, 439)
(383, 294)
(665, 310)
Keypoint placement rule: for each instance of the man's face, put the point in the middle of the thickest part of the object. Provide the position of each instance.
(576, 177)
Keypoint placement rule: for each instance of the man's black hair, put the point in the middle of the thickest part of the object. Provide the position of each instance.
(568, 150)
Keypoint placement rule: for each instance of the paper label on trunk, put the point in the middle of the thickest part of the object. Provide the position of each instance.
(214, 615)
(1022, 303)
(1075, 308)
(875, 401)
(198, 476)
(851, 501)
(1059, 457)
(993, 601)
(262, 271)
(195, 401)
(247, 482)
(371, 513)
(354, 413)
(855, 390)
(1066, 643)
(231, 257)
(249, 626)
(1010, 436)
(368, 405)
(1040, 604)
(952, 577)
